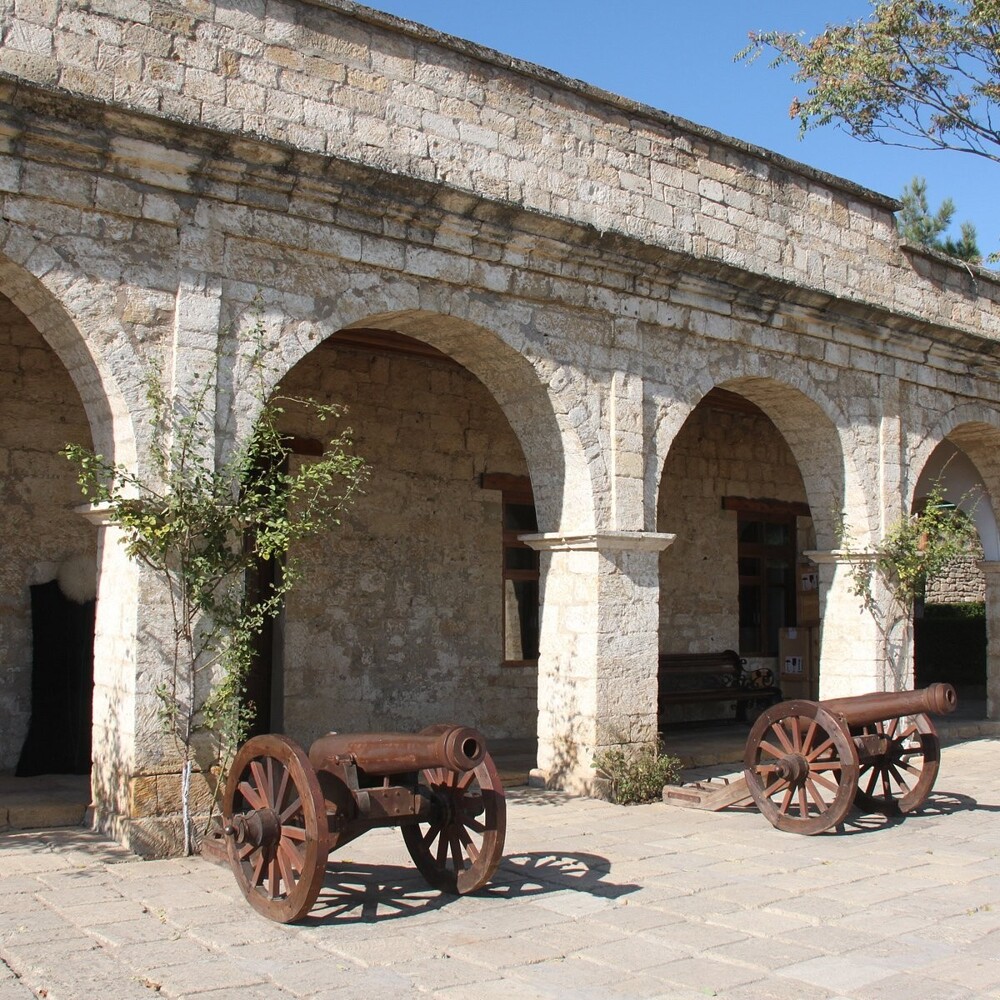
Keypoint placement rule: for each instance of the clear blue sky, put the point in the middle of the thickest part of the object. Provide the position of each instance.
(677, 55)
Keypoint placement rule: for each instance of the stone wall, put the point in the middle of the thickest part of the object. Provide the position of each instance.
(330, 78)
(397, 623)
(961, 582)
(40, 412)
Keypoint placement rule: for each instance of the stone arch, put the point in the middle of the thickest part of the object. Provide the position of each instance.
(963, 451)
(74, 319)
(542, 400)
(399, 611)
(973, 431)
(815, 429)
(68, 311)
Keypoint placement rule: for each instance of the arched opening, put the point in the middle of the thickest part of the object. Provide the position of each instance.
(748, 486)
(48, 580)
(950, 636)
(423, 605)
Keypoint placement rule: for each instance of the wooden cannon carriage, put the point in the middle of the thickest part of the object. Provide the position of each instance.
(284, 812)
(807, 762)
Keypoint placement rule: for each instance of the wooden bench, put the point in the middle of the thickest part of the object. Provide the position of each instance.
(695, 678)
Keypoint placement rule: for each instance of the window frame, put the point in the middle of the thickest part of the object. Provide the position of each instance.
(515, 491)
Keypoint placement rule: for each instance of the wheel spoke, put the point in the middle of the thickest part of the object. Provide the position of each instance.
(432, 831)
(803, 802)
(470, 847)
(261, 781)
(817, 795)
(819, 779)
(251, 795)
(900, 781)
(456, 851)
(291, 810)
(282, 788)
(295, 859)
(872, 781)
(274, 878)
(821, 749)
(285, 866)
(771, 749)
(258, 870)
(789, 793)
(290, 831)
(779, 730)
(442, 849)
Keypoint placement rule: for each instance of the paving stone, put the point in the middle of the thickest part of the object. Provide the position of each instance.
(940, 939)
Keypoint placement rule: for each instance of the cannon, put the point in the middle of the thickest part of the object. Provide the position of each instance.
(807, 762)
(284, 811)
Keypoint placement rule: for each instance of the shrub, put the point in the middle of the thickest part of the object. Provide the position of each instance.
(637, 774)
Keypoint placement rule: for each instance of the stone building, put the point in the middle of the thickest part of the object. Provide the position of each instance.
(563, 324)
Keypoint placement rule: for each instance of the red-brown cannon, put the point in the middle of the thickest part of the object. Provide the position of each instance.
(807, 762)
(284, 812)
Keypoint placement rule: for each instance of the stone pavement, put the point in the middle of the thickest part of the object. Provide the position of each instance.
(592, 901)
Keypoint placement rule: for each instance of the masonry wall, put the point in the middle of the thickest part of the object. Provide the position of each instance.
(327, 78)
(961, 582)
(40, 412)
(715, 454)
(398, 622)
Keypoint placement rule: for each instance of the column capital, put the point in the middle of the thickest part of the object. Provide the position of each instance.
(95, 513)
(837, 556)
(599, 541)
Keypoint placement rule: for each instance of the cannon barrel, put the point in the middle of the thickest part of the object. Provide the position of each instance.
(455, 748)
(865, 709)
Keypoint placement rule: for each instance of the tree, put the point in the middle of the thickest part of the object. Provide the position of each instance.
(203, 527)
(918, 225)
(917, 74)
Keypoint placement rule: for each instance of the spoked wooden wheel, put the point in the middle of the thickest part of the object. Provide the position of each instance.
(459, 848)
(899, 779)
(276, 828)
(801, 767)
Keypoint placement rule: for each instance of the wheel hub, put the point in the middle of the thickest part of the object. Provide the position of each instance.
(259, 828)
(794, 768)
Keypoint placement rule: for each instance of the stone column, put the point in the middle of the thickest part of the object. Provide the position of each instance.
(991, 571)
(855, 656)
(115, 648)
(598, 662)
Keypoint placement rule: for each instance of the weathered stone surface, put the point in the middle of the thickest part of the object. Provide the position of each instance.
(589, 269)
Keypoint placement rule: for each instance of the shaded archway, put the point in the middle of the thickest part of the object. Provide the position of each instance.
(403, 617)
(48, 574)
(75, 336)
(956, 634)
(752, 481)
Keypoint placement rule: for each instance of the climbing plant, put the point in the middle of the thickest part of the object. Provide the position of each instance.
(203, 526)
(889, 578)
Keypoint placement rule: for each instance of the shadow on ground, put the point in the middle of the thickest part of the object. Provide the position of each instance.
(363, 893)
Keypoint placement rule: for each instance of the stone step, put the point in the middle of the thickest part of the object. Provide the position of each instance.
(43, 800)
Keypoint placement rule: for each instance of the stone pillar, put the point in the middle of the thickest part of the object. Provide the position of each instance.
(855, 656)
(991, 572)
(598, 662)
(113, 728)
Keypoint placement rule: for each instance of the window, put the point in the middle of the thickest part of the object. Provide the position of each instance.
(520, 569)
(767, 551)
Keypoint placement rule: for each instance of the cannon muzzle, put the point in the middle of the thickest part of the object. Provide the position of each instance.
(865, 709)
(455, 748)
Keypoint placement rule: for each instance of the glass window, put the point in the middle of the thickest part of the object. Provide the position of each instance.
(766, 560)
